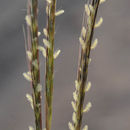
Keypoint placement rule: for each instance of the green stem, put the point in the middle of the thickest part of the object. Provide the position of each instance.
(83, 66)
(50, 63)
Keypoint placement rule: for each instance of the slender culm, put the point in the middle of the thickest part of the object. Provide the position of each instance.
(51, 7)
(33, 56)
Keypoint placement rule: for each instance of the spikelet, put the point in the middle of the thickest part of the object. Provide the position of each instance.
(29, 98)
(88, 86)
(98, 24)
(82, 42)
(28, 20)
(39, 33)
(77, 85)
(70, 125)
(93, 46)
(27, 77)
(89, 61)
(74, 117)
(85, 127)
(49, 1)
(56, 54)
(29, 73)
(87, 108)
(87, 10)
(75, 96)
(74, 106)
(29, 55)
(43, 50)
(91, 8)
(45, 32)
(47, 10)
(89, 21)
(46, 43)
(83, 32)
(39, 88)
(102, 1)
(35, 64)
(30, 128)
(60, 12)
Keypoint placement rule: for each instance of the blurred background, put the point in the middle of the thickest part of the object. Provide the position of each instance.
(109, 70)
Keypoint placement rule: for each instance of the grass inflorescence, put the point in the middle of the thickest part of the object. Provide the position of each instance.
(33, 57)
(32, 50)
(81, 84)
(50, 9)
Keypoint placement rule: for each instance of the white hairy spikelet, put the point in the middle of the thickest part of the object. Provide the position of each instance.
(102, 1)
(45, 32)
(27, 77)
(93, 46)
(43, 50)
(85, 127)
(87, 10)
(29, 98)
(35, 64)
(30, 128)
(56, 54)
(77, 85)
(75, 96)
(89, 21)
(74, 117)
(82, 42)
(39, 33)
(88, 86)
(87, 107)
(47, 10)
(91, 8)
(74, 106)
(60, 12)
(70, 125)
(89, 60)
(49, 1)
(83, 32)
(28, 20)
(29, 55)
(39, 88)
(98, 24)
(29, 73)
(46, 43)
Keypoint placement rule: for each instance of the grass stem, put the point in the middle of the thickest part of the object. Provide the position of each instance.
(51, 7)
